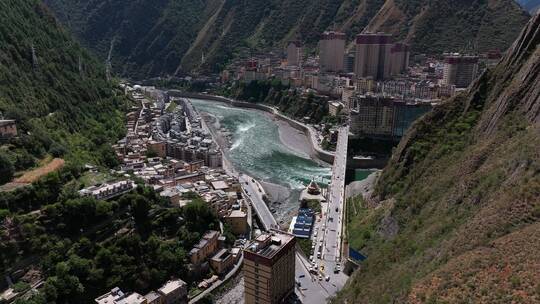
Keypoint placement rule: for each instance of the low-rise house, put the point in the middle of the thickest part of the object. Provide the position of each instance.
(133, 298)
(8, 128)
(334, 107)
(108, 191)
(237, 220)
(174, 292)
(222, 261)
(117, 296)
(206, 247)
(153, 298)
(172, 195)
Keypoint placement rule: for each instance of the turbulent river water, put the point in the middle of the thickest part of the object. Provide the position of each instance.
(256, 148)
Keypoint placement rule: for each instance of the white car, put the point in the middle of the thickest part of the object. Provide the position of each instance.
(327, 278)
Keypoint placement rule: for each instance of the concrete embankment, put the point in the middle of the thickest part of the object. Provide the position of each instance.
(317, 152)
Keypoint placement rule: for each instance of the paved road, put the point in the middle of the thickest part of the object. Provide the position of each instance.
(329, 226)
(254, 192)
(311, 290)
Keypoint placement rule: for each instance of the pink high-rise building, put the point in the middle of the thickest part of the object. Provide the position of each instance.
(399, 59)
(332, 51)
(294, 53)
(373, 56)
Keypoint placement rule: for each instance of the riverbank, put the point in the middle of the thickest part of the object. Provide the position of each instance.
(316, 150)
(293, 138)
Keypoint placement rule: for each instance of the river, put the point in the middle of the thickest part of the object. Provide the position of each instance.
(267, 150)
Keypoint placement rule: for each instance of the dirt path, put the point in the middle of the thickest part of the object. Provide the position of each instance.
(33, 175)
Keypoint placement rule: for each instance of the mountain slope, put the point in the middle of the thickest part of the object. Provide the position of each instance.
(450, 25)
(165, 37)
(456, 214)
(54, 89)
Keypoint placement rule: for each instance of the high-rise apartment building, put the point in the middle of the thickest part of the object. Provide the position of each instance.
(332, 50)
(373, 52)
(348, 62)
(460, 70)
(269, 265)
(294, 53)
(399, 59)
(375, 116)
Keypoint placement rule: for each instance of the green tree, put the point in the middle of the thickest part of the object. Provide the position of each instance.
(140, 207)
(6, 169)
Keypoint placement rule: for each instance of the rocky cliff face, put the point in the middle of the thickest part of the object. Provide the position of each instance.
(167, 37)
(464, 186)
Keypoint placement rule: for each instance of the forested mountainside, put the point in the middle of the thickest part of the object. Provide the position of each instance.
(165, 37)
(54, 89)
(455, 216)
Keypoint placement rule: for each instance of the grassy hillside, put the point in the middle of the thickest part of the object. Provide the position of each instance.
(153, 38)
(54, 89)
(456, 214)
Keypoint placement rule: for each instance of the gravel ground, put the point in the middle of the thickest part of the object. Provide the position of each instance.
(235, 295)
